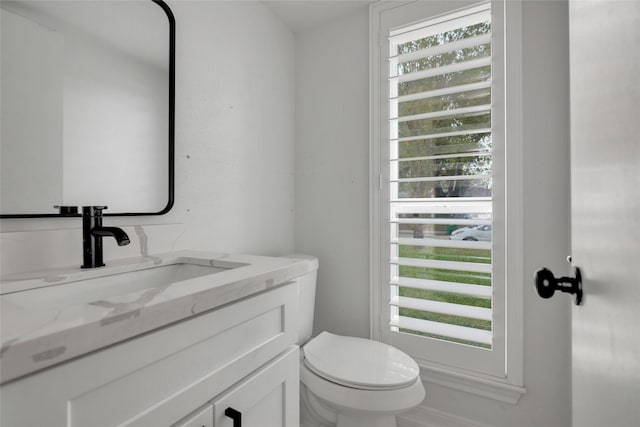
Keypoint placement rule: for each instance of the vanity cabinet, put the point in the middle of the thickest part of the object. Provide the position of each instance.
(241, 355)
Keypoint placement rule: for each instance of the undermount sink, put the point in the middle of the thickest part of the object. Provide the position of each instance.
(54, 315)
(112, 284)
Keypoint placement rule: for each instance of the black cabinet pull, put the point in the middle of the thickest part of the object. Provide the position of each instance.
(547, 284)
(236, 416)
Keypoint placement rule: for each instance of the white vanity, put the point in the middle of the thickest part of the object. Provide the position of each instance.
(170, 340)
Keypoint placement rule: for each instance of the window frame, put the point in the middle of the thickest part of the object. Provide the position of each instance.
(503, 381)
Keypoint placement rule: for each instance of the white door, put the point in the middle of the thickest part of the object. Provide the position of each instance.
(605, 174)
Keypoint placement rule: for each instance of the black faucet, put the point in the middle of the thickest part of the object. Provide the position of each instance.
(92, 234)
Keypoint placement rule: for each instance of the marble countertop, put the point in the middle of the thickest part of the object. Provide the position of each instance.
(52, 316)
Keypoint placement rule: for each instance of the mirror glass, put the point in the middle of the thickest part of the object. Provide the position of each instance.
(86, 106)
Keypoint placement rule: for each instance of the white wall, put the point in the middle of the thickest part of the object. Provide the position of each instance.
(234, 148)
(235, 131)
(332, 206)
(332, 169)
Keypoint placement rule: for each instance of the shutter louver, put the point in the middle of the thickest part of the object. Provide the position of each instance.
(440, 163)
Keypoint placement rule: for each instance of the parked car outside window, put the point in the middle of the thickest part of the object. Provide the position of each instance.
(475, 232)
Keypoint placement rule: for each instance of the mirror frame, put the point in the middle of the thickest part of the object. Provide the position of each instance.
(172, 97)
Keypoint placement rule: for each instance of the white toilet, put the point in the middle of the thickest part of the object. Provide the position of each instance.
(348, 381)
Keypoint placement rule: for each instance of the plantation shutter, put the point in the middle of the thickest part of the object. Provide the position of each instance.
(441, 179)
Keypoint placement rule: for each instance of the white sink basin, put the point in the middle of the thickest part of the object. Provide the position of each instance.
(78, 290)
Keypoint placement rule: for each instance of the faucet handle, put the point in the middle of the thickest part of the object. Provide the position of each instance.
(93, 210)
(67, 210)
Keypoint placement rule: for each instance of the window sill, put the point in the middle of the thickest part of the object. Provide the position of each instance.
(480, 386)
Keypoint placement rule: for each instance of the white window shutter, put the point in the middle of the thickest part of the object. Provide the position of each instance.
(441, 179)
(446, 164)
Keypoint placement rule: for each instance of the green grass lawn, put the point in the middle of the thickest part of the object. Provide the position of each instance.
(446, 254)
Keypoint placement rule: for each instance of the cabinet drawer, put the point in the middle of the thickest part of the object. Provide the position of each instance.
(156, 379)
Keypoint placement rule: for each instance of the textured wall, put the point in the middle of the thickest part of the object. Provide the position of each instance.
(332, 206)
(332, 169)
(234, 148)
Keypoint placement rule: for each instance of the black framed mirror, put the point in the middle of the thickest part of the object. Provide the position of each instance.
(88, 107)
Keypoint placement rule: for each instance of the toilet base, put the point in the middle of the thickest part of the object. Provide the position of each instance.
(312, 412)
(315, 413)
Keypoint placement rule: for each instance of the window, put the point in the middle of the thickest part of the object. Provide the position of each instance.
(440, 180)
(442, 207)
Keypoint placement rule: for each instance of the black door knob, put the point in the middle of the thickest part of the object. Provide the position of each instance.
(547, 284)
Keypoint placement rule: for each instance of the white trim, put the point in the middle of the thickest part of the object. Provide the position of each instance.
(471, 383)
(474, 267)
(471, 311)
(444, 156)
(444, 113)
(502, 389)
(441, 23)
(439, 243)
(440, 286)
(442, 205)
(438, 328)
(443, 69)
(443, 178)
(515, 163)
(443, 48)
(375, 186)
(468, 87)
(442, 135)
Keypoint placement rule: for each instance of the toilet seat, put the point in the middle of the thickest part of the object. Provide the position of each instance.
(360, 363)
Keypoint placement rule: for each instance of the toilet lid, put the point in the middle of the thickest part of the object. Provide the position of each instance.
(359, 363)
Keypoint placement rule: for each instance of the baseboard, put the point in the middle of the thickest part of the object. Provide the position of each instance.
(484, 387)
(424, 416)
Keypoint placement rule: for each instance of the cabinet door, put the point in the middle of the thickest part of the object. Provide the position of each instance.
(202, 418)
(267, 398)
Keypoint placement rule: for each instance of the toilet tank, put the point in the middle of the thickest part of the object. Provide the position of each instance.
(306, 297)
